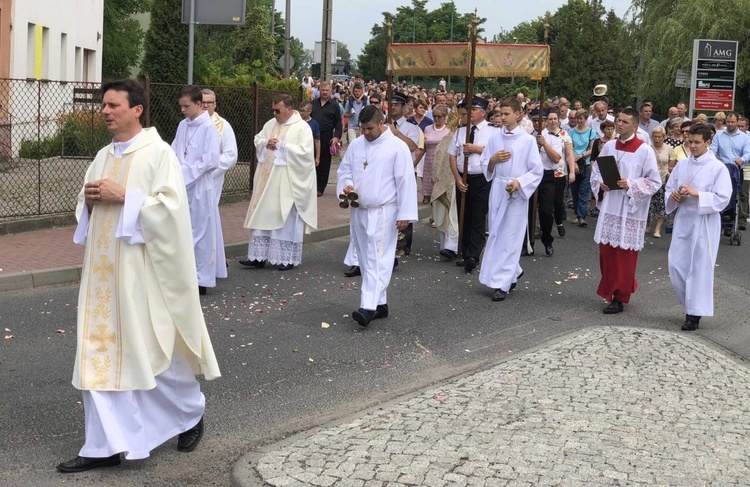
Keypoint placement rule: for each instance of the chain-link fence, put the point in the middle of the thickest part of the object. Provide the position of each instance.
(50, 132)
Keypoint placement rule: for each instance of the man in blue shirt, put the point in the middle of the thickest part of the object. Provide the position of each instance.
(305, 109)
(732, 146)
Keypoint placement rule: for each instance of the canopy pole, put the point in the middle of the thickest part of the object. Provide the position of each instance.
(468, 97)
(389, 73)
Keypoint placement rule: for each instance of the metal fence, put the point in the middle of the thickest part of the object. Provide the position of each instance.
(50, 131)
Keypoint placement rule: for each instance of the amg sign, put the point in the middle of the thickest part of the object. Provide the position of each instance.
(714, 75)
(724, 50)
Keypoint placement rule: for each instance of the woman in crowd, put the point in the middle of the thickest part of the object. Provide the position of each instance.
(583, 138)
(420, 117)
(433, 134)
(657, 212)
(674, 136)
(682, 151)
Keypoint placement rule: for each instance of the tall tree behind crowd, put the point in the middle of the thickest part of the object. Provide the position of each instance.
(664, 31)
(122, 37)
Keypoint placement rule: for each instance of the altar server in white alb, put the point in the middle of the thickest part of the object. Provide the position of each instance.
(511, 163)
(623, 210)
(283, 206)
(379, 168)
(197, 147)
(227, 160)
(698, 189)
(141, 337)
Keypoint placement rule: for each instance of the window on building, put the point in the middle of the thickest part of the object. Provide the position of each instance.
(89, 65)
(78, 76)
(37, 51)
(64, 57)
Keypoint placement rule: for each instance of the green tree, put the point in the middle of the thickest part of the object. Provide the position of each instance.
(342, 51)
(664, 31)
(121, 37)
(253, 43)
(165, 56)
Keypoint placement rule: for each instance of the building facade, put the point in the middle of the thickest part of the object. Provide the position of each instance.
(51, 39)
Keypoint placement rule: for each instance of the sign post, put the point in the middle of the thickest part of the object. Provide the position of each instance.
(714, 75)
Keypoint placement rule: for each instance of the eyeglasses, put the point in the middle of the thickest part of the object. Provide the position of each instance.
(276, 111)
(209, 103)
(685, 132)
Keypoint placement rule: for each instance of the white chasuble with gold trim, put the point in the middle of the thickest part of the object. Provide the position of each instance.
(101, 357)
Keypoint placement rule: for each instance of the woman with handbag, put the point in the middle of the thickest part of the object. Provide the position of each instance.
(583, 138)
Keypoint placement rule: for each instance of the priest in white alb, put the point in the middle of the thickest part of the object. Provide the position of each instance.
(511, 163)
(197, 147)
(227, 160)
(141, 337)
(379, 169)
(284, 204)
(698, 190)
(623, 210)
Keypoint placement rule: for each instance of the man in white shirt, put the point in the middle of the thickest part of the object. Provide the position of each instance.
(732, 146)
(672, 113)
(471, 183)
(600, 109)
(645, 122)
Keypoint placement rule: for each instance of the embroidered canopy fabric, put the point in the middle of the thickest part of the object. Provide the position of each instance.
(453, 58)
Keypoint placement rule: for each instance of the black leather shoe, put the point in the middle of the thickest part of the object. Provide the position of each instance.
(690, 326)
(380, 312)
(461, 263)
(561, 230)
(81, 464)
(613, 307)
(188, 440)
(253, 263)
(286, 267)
(526, 253)
(549, 250)
(448, 254)
(353, 271)
(202, 290)
(499, 295)
(363, 316)
(470, 264)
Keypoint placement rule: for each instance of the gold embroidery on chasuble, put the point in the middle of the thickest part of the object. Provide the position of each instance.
(264, 170)
(101, 360)
(219, 124)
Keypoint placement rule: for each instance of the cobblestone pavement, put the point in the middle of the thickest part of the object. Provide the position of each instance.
(608, 406)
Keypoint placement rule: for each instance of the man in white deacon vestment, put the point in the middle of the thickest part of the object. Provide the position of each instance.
(227, 160)
(700, 188)
(197, 147)
(511, 163)
(283, 206)
(623, 210)
(379, 168)
(141, 335)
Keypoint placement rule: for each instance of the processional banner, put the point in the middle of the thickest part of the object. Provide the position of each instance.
(453, 59)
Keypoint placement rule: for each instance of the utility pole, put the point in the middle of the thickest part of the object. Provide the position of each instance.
(287, 40)
(325, 55)
(191, 43)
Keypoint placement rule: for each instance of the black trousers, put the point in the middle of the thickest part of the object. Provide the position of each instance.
(560, 199)
(546, 203)
(473, 237)
(323, 170)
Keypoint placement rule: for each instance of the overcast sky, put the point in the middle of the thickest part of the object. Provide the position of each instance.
(353, 19)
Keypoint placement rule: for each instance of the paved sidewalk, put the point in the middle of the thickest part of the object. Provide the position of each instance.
(606, 406)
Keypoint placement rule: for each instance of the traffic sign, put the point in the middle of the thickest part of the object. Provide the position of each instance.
(714, 75)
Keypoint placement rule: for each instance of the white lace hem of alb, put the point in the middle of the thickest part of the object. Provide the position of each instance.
(617, 231)
(276, 252)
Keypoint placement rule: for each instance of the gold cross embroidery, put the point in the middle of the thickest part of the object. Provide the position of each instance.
(102, 337)
(103, 268)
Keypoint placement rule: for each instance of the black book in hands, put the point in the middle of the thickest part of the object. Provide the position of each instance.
(609, 171)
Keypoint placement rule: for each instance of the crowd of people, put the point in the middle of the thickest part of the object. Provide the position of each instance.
(494, 166)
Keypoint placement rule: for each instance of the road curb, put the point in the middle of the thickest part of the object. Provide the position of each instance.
(17, 281)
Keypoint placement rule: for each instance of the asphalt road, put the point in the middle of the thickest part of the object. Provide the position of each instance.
(284, 372)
